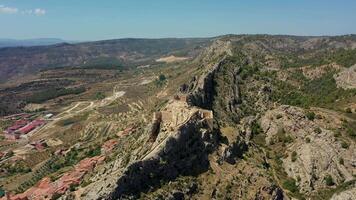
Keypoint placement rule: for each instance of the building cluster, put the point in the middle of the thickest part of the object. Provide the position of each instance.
(47, 189)
(22, 127)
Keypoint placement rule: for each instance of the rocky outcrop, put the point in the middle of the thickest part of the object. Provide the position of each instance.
(155, 126)
(346, 78)
(218, 49)
(185, 152)
(233, 151)
(345, 195)
(200, 89)
(203, 92)
(313, 152)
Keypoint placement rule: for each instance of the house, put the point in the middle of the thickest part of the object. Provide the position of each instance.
(48, 116)
(39, 145)
(31, 126)
(17, 125)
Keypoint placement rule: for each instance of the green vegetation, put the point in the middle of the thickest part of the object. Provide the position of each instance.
(248, 71)
(56, 196)
(294, 156)
(310, 116)
(307, 140)
(283, 137)
(73, 187)
(350, 128)
(4, 124)
(161, 80)
(99, 96)
(2, 192)
(45, 95)
(103, 63)
(317, 130)
(344, 145)
(93, 151)
(319, 92)
(256, 128)
(327, 193)
(290, 185)
(329, 180)
(341, 161)
(162, 77)
(15, 168)
(344, 57)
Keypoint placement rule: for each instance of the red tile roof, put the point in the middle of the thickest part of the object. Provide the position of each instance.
(45, 189)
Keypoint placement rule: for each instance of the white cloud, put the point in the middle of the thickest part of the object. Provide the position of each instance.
(39, 11)
(8, 10)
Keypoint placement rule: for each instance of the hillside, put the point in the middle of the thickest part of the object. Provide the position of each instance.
(232, 117)
(20, 61)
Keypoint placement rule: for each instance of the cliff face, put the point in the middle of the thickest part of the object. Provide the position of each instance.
(184, 153)
(201, 90)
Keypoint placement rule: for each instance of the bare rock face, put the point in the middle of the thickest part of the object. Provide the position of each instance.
(314, 154)
(215, 51)
(181, 149)
(346, 78)
(345, 195)
(201, 90)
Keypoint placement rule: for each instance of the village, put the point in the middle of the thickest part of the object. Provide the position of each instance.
(20, 127)
(17, 147)
(23, 124)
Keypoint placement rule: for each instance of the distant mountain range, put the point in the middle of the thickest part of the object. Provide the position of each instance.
(31, 42)
(20, 61)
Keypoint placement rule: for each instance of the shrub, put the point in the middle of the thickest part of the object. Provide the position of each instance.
(45, 95)
(56, 196)
(288, 139)
(160, 80)
(317, 130)
(99, 96)
(290, 185)
(94, 151)
(256, 128)
(329, 180)
(341, 161)
(344, 145)
(351, 132)
(162, 77)
(73, 187)
(310, 115)
(294, 156)
(279, 116)
(307, 140)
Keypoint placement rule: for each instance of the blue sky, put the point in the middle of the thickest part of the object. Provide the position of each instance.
(105, 19)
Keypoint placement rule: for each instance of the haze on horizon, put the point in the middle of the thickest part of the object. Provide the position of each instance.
(92, 20)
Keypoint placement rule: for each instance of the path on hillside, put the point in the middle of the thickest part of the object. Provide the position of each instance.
(70, 112)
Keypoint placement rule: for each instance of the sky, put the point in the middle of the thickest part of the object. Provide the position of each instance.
(109, 19)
